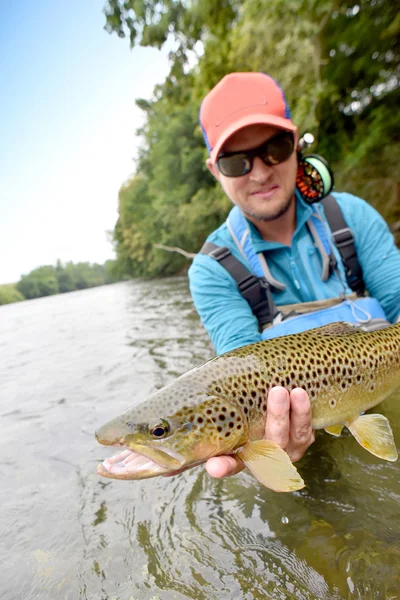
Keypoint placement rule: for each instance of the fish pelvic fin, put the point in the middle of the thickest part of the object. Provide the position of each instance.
(373, 432)
(271, 466)
(335, 430)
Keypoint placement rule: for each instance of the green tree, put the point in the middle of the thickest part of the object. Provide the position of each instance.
(65, 277)
(49, 280)
(40, 282)
(9, 294)
(338, 63)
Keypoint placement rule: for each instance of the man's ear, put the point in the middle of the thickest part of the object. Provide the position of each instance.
(213, 169)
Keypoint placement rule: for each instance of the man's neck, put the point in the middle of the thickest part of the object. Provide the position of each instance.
(279, 230)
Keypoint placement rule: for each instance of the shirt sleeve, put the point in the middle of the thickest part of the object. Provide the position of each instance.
(224, 313)
(377, 252)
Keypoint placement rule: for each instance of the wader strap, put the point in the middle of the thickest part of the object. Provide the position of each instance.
(344, 241)
(239, 230)
(255, 290)
(319, 233)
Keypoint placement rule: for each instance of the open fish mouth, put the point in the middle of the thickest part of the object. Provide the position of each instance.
(131, 465)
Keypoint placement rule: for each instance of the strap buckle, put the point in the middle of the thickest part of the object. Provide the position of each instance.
(343, 237)
(248, 282)
(220, 253)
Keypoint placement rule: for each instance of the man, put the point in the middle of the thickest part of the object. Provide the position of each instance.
(252, 143)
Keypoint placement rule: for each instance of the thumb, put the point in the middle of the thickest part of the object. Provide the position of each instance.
(224, 466)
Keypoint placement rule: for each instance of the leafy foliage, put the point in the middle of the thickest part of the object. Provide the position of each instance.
(338, 63)
(49, 280)
(9, 294)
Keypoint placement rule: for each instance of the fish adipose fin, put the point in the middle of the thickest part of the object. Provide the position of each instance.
(374, 434)
(339, 328)
(335, 430)
(271, 466)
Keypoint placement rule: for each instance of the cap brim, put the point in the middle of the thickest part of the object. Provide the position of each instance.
(245, 122)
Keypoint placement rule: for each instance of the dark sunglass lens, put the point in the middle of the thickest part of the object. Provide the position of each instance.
(235, 165)
(279, 149)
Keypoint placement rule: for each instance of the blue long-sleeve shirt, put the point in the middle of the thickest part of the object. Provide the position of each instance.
(227, 316)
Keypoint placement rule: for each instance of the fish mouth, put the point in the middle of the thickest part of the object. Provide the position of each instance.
(131, 464)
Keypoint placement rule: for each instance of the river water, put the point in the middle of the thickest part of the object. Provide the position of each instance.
(69, 363)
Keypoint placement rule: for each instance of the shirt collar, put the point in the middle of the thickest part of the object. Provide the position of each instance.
(303, 213)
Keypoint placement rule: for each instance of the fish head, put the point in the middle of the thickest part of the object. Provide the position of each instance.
(156, 442)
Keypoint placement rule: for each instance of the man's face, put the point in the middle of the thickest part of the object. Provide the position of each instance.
(267, 192)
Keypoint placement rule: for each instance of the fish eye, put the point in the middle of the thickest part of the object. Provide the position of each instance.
(160, 430)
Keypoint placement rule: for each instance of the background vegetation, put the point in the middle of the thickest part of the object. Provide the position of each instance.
(338, 63)
(50, 280)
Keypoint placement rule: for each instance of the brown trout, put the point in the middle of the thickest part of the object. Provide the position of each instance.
(220, 407)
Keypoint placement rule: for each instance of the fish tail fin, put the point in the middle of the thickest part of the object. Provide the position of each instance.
(271, 466)
(373, 432)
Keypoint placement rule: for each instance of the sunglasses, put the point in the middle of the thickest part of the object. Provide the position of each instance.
(274, 151)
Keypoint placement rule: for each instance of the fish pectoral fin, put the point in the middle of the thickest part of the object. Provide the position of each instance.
(335, 430)
(271, 466)
(373, 432)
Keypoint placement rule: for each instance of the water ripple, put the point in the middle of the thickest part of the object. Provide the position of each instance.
(75, 360)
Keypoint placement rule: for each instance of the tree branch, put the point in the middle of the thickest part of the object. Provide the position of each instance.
(174, 249)
(394, 227)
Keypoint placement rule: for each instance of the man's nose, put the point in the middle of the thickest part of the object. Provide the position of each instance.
(260, 171)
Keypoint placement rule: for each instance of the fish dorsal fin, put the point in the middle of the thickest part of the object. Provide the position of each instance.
(373, 432)
(335, 430)
(271, 466)
(339, 328)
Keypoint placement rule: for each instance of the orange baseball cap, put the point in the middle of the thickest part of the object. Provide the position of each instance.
(239, 100)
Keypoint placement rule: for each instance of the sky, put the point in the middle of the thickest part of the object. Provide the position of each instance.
(67, 130)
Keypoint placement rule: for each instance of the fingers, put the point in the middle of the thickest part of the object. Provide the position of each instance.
(223, 466)
(301, 434)
(277, 427)
(289, 421)
(289, 424)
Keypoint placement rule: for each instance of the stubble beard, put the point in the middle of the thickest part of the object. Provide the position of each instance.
(270, 216)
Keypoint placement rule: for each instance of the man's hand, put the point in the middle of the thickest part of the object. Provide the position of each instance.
(288, 424)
